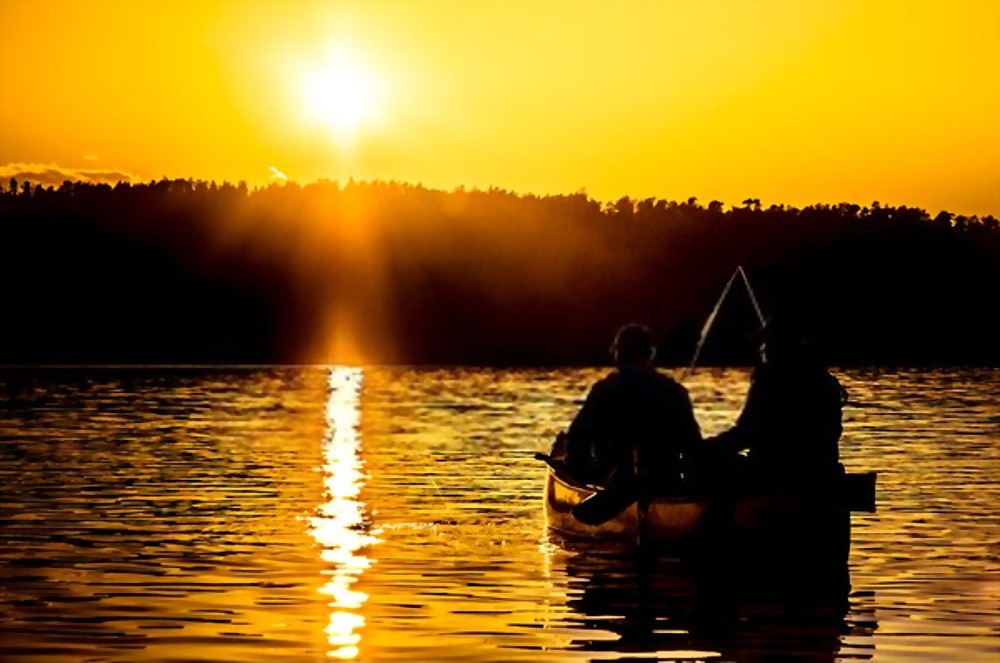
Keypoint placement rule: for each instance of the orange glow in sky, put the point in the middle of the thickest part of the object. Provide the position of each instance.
(789, 102)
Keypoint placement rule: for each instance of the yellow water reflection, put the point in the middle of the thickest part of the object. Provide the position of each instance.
(340, 526)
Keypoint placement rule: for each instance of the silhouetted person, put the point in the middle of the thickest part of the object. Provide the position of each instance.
(790, 425)
(635, 413)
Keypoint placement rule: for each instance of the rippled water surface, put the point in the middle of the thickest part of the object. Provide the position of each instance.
(308, 514)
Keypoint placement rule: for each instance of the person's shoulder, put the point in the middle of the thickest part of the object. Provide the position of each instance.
(665, 378)
(669, 384)
(611, 377)
(831, 381)
(821, 373)
(766, 374)
(810, 373)
(606, 383)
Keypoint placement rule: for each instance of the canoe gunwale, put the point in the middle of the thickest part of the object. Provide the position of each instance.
(679, 517)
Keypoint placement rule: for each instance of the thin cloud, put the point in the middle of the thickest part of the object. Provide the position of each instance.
(277, 174)
(52, 174)
(90, 157)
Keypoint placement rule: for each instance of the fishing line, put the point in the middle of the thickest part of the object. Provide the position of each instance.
(753, 297)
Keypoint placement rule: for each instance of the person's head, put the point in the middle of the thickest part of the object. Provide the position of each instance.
(633, 346)
(782, 341)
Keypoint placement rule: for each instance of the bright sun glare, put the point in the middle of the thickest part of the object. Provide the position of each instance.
(343, 95)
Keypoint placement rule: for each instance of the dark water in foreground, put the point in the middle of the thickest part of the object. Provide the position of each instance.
(305, 514)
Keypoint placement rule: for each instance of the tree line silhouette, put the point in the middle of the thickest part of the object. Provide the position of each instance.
(184, 271)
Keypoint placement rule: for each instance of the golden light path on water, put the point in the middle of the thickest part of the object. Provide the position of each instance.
(340, 525)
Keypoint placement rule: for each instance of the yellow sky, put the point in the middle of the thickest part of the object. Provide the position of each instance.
(791, 102)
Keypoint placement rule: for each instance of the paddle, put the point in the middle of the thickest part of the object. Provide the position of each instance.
(610, 501)
(607, 503)
(604, 504)
(562, 470)
(557, 466)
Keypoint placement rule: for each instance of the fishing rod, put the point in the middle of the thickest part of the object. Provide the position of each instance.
(715, 312)
(642, 504)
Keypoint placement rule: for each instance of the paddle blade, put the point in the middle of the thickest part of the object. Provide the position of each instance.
(604, 505)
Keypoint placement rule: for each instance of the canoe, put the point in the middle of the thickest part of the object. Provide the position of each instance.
(821, 514)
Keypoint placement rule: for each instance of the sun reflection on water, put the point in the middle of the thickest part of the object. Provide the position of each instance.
(341, 525)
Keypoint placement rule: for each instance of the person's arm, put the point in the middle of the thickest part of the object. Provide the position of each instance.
(583, 430)
(738, 438)
(688, 430)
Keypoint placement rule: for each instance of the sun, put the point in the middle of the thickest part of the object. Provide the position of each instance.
(343, 95)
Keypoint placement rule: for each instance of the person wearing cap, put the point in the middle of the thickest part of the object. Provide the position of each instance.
(790, 424)
(634, 420)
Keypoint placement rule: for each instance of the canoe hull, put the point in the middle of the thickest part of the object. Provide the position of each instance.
(680, 521)
(665, 521)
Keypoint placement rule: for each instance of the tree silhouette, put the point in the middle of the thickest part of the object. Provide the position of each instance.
(189, 270)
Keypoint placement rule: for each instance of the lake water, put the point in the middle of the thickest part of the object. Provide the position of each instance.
(309, 514)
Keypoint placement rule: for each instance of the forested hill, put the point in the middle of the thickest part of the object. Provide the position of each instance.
(181, 271)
